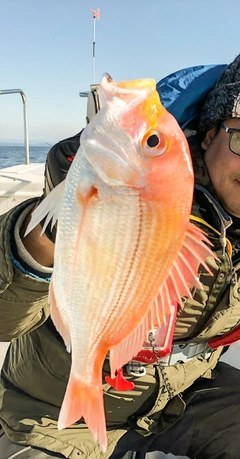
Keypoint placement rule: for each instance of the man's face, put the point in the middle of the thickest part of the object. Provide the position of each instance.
(224, 167)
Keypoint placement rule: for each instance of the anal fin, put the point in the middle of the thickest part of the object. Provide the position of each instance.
(57, 319)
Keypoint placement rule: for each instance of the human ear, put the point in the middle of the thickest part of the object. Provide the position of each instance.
(208, 138)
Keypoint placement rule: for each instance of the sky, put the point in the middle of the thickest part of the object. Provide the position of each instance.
(47, 49)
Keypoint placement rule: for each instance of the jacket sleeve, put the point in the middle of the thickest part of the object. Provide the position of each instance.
(23, 297)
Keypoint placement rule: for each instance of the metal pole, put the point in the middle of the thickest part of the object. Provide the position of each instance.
(26, 140)
(95, 14)
(24, 99)
(94, 45)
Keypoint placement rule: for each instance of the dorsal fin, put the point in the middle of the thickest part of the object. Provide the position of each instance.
(49, 208)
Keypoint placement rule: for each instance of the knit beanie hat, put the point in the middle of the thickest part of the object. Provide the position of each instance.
(223, 101)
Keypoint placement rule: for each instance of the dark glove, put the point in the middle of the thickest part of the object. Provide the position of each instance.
(59, 160)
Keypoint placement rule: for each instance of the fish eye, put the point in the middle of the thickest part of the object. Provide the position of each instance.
(153, 140)
(154, 144)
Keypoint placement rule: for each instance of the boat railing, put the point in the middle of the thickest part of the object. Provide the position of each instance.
(93, 105)
(25, 120)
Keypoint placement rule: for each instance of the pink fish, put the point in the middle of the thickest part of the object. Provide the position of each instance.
(125, 247)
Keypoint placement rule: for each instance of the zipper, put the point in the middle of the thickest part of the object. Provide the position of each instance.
(200, 220)
(225, 219)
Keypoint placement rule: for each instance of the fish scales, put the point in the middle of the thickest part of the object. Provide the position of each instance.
(102, 251)
(108, 295)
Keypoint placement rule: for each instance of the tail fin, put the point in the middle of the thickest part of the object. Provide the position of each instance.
(82, 400)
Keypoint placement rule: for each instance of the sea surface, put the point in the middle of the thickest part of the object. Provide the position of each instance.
(10, 156)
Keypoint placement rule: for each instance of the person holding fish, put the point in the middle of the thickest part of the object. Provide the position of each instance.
(120, 289)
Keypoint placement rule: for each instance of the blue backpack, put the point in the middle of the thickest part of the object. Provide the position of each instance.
(183, 92)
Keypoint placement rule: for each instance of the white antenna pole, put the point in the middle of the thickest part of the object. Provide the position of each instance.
(96, 14)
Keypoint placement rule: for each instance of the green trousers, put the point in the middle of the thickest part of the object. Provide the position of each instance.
(209, 428)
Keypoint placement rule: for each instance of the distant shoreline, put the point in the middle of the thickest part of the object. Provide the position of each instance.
(12, 144)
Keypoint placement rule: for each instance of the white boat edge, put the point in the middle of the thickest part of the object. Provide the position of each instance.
(19, 183)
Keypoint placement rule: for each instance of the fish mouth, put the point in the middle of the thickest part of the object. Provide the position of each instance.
(126, 91)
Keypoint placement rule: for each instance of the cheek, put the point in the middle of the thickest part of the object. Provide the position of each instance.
(223, 172)
(217, 163)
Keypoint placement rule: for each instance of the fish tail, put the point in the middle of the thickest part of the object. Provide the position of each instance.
(82, 400)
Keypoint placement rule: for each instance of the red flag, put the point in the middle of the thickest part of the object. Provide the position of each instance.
(96, 14)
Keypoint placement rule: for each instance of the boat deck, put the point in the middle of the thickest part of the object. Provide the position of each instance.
(18, 183)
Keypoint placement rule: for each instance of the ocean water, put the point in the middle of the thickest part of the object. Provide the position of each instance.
(9, 156)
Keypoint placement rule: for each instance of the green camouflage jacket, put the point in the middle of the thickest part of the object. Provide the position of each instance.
(36, 368)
